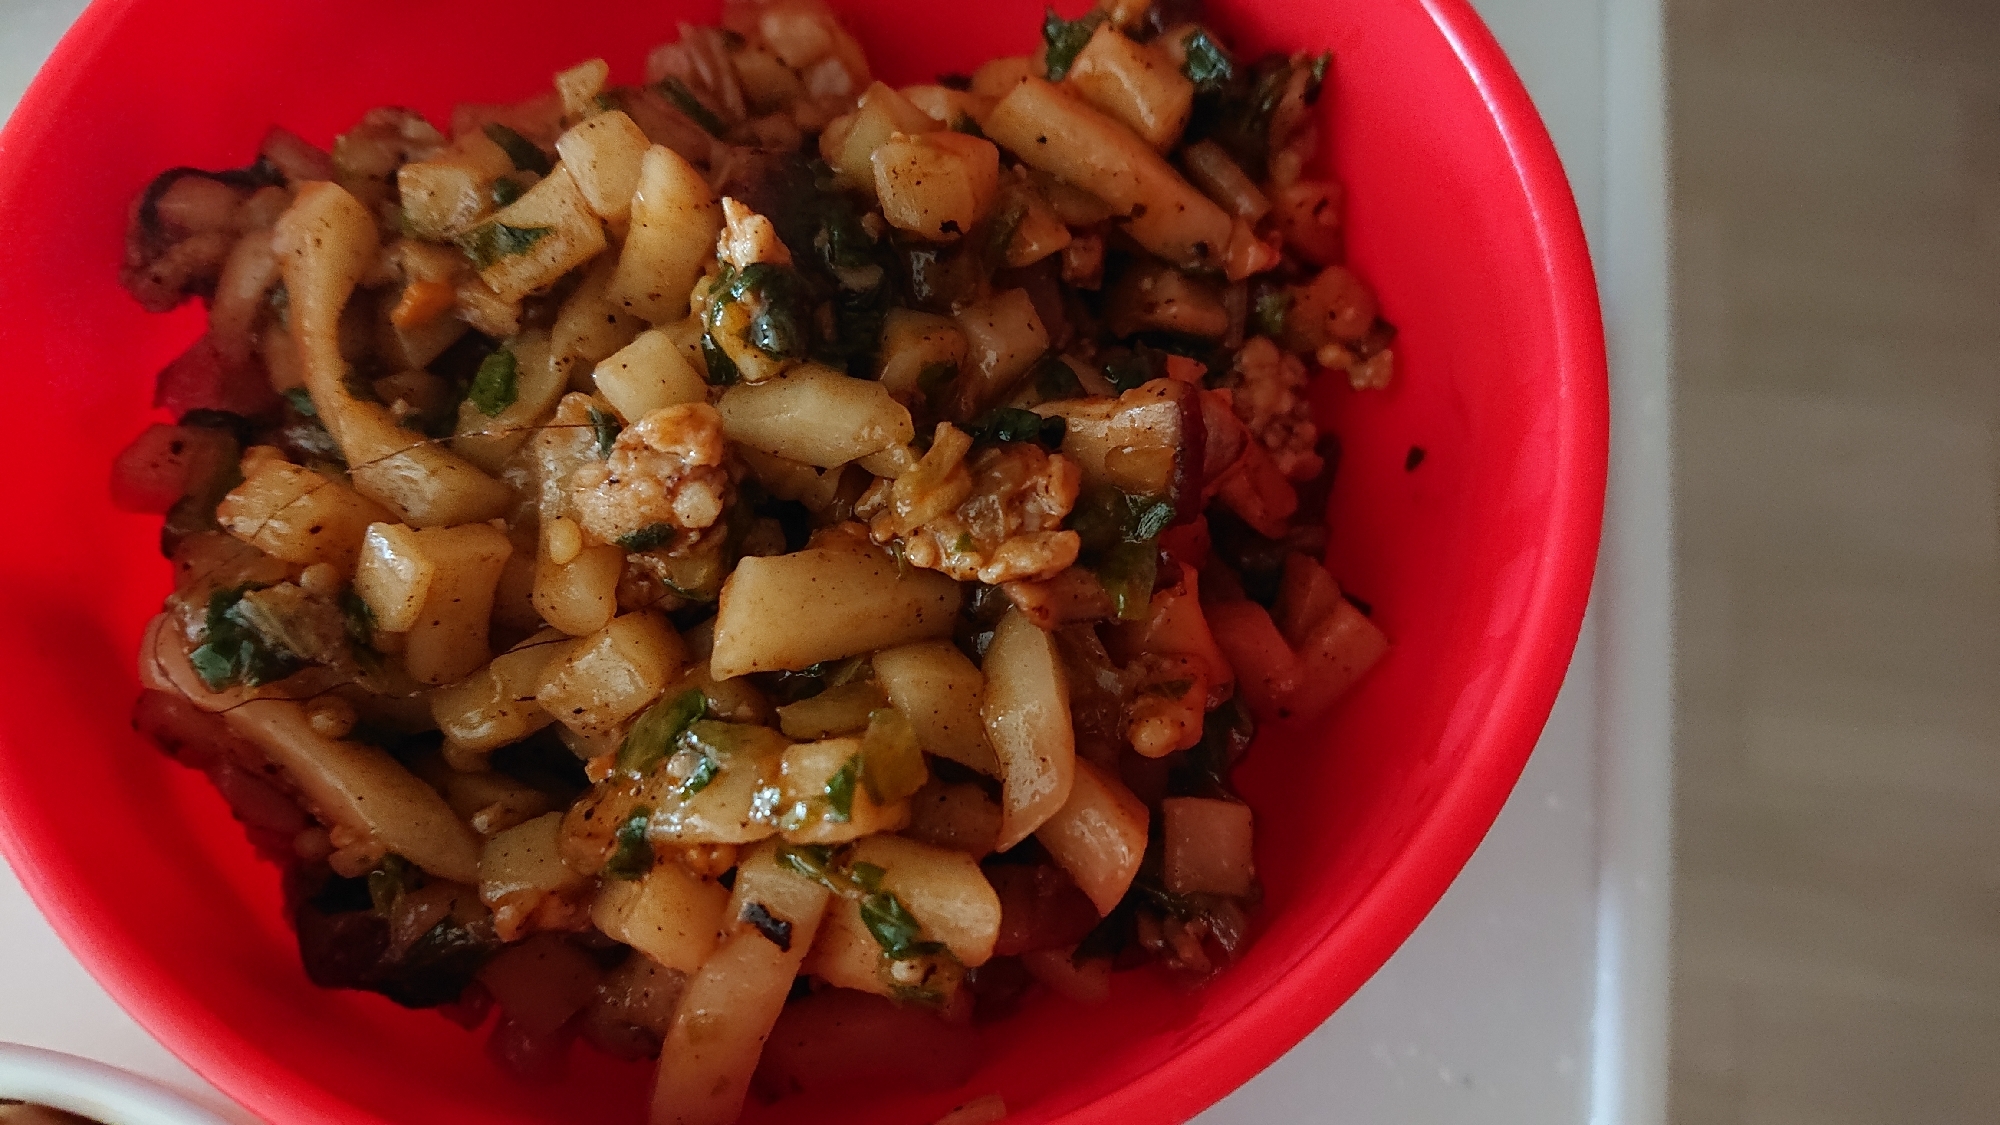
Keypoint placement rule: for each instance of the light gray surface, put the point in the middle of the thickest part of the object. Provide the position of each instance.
(1534, 994)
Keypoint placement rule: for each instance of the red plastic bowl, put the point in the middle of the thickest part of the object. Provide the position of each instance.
(1478, 562)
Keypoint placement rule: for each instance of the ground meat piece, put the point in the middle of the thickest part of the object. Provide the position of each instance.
(993, 517)
(1270, 398)
(664, 483)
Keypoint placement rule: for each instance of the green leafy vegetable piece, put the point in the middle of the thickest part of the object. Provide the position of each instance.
(497, 384)
(1148, 518)
(1272, 310)
(867, 876)
(653, 736)
(936, 378)
(1208, 66)
(359, 621)
(1011, 423)
(1065, 39)
(1204, 770)
(1127, 572)
(1104, 517)
(1135, 368)
(892, 763)
(1000, 233)
(526, 154)
(894, 929)
(648, 537)
(605, 425)
(706, 768)
(780, 315)
(490, 243)
(390, 881)
(677, 92)
(963, 543)
(633, 856)
(711, 742)
(1055, 379)
(840, 791)
(721, 370)
(505, 190)
(233, 651)
(813, 861)
(302, 401)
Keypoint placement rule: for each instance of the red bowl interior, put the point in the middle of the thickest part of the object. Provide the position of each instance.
(1478, 562)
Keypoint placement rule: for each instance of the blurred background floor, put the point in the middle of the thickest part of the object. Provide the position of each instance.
(1837, 945)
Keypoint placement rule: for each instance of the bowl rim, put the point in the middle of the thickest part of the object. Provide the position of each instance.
(96, 1090)
(1210, 1066)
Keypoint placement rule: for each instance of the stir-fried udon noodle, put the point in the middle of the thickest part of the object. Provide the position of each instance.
(759, 568)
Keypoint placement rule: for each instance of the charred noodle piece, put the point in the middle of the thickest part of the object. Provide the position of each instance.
(327, 242)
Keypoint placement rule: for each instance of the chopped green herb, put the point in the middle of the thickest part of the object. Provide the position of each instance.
(609, 100)
(1149, 518)
(1127, 572)
(840, 791)
(894, 929)
(813, 861)
(1000, 233)
(605, 425)
(892, 762)
(677, 92)
(964, 123)
(1105, 517)
(1135, 368)
(1208, 66)
(281, 302)
(360, 623)
(775, 929)
(633, 856)
(496, 386)
(1065, 39)
(721, 370)
(780, 315)
(1272, 310)
(302, 401)
(506, 190)
(390, 881)
(1203, 771)
(489, 243)
(653, 736)
(963, 543)
(526, 154)
(233, 651)
(710, 742)
(1056, 379)
(867, 875)
(935, 378)
(1011, 423)
(648, 537)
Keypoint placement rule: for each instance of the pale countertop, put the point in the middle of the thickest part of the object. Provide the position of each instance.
(1535, 992)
